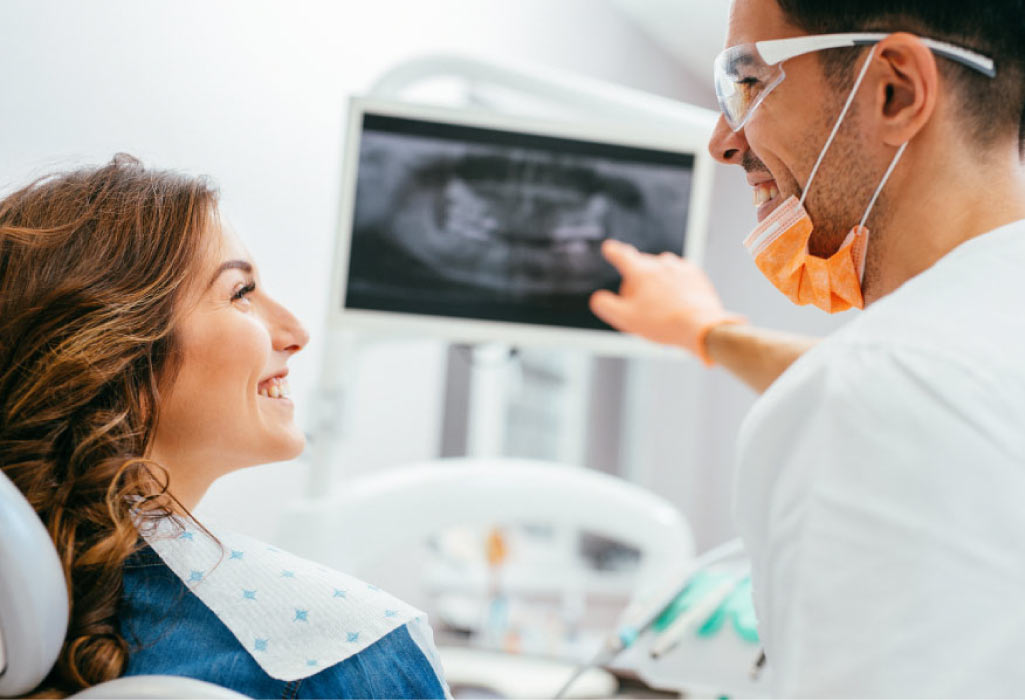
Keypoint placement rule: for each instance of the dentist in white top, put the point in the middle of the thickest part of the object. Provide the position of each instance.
(881, 474)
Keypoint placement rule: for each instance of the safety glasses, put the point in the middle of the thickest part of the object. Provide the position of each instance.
(745, 74)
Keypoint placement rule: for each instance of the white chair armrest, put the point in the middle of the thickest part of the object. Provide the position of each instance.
(156, 688)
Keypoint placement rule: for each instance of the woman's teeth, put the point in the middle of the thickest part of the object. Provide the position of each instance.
(276, 388)
(764, 192)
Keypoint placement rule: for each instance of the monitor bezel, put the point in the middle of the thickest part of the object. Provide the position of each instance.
(691, 141)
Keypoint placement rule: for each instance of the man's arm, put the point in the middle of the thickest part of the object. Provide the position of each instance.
(670, 300)
(756, 356)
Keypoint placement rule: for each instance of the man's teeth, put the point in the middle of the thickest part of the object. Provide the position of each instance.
(276, 389)
(764, 192)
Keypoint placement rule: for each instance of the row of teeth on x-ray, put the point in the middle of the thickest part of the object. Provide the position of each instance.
(518, 225)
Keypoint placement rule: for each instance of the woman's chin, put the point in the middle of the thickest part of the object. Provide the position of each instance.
(294, 445)
(278, 415)
(284, 447)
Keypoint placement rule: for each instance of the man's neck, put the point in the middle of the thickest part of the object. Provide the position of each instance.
(935, 213)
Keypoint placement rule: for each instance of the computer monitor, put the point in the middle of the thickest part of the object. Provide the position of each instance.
(483, 227)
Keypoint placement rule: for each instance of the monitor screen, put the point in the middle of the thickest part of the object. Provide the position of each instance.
(466, 221)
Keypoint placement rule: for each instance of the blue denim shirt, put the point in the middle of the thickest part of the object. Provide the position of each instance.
(170, 631)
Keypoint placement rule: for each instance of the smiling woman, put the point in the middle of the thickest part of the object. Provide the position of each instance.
(235, 341)
(141, 359)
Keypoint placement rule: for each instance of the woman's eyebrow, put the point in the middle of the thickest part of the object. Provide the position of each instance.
(231, 265)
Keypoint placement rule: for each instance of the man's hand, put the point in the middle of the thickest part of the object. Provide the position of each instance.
(663, 298)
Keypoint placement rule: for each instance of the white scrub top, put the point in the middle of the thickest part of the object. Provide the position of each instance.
(881, 492)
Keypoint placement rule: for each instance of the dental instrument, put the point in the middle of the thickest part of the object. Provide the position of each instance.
(673, 633)
(641, 616)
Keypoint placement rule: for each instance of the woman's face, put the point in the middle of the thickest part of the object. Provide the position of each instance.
(229, 404)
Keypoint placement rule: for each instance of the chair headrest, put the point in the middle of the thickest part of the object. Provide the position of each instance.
(33, 595)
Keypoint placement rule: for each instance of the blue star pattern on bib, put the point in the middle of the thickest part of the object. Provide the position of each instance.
(306, 617)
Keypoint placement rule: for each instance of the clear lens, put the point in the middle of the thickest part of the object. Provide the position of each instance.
(742, 81)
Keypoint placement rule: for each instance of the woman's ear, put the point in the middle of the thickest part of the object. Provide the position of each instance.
(907, 87)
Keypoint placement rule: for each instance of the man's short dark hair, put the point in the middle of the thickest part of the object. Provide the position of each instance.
(994, 28)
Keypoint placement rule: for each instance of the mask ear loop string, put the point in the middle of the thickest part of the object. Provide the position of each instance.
(868, 210)
(836, 126)
(882, 183)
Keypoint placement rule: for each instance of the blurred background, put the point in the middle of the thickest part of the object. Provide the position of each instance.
(254, 94)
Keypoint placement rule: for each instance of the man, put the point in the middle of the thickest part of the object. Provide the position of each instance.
(881, 475)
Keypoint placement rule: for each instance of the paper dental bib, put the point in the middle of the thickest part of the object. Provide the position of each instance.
(296, 618)
(779, 246)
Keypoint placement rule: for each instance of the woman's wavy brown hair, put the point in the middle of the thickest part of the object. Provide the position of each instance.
(93, 263)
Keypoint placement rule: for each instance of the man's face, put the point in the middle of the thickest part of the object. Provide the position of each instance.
(780, 143)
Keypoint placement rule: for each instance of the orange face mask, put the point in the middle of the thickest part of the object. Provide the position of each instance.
(779, 244)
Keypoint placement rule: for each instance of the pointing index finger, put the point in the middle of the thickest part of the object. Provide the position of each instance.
(619, 254)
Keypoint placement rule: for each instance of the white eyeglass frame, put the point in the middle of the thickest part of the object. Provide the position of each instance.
(775, 51)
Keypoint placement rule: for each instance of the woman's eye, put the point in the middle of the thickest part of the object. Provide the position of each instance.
(243, 291)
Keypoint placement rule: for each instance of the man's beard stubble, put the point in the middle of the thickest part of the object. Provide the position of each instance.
(841, 190)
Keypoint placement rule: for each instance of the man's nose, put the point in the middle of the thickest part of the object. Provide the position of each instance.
(726, 145)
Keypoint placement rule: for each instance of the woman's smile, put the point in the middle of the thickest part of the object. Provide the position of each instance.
(275, 388)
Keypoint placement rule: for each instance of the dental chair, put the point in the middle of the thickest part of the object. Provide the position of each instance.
(392, 510)
(34, 614)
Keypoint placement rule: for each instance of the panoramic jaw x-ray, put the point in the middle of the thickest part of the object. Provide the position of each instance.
(476, 223)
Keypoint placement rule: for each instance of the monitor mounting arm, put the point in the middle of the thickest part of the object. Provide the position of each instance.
(579, 93)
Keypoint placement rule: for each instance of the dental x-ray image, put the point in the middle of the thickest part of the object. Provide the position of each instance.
(478, 223)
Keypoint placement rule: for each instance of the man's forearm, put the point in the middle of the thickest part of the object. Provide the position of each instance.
(755, 355)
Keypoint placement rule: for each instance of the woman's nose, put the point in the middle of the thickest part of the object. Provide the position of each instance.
(726, 145)
(289, 333)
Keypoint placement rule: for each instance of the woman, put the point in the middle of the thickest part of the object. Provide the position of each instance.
(140, 360)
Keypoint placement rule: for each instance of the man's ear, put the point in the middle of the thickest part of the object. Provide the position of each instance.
(907, 87)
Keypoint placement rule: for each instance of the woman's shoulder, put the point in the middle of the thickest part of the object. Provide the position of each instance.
(294, 616)
(396, 666)
(169, 631)
(281, 621)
